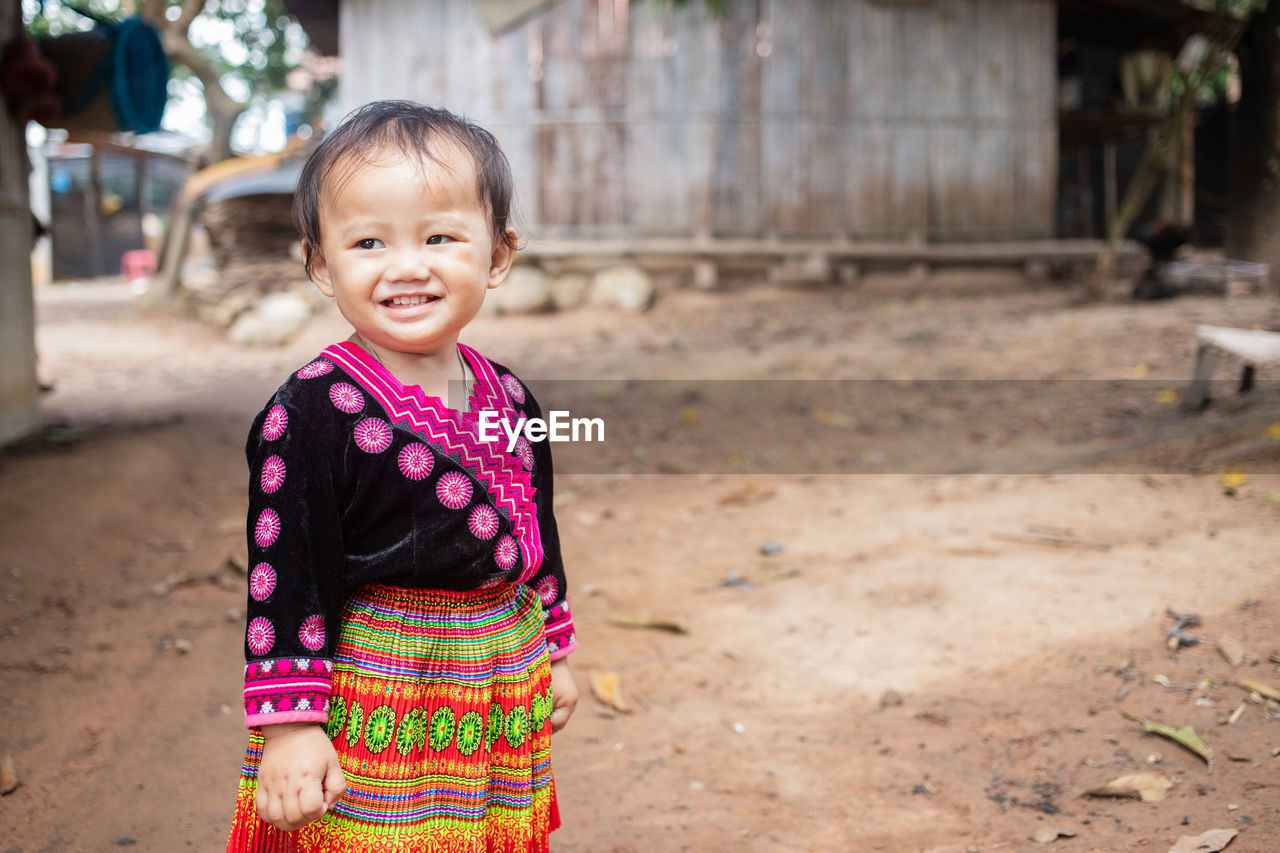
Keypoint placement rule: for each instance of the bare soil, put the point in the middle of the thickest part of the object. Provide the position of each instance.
(930, 662)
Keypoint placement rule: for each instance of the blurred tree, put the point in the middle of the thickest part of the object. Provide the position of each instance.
(239, 51)
(243, 46)
(1253, 212)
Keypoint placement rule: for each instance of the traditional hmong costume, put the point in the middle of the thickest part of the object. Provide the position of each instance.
(405, 589)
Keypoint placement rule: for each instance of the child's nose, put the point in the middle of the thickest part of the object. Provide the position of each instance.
(409, 263)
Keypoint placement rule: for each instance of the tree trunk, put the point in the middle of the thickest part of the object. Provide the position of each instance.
(1253, 209)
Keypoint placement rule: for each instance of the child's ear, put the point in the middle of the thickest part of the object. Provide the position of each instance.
(319, 271)
(503, 254)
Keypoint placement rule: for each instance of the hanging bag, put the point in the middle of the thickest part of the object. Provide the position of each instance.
(112, 78)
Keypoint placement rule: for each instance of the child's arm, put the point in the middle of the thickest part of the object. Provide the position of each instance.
(564, 694)
(299, 778)
(550, 584)
(296, 555)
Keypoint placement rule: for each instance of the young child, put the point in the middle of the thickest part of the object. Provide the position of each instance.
(407, 621)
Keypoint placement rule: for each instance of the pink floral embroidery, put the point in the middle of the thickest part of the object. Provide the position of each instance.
(483, 522)
(513, 386)
(262, 581)
(506, 552)
(373, 435)
(312, 633)
(454, 490)
(267, 528)
(346, 398)
(319, 367)
(416, 461)
(272, 474)
(274, 424)
(548, 590)
(261, 635)
(525, 452)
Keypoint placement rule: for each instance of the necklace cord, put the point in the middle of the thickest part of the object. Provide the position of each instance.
(462, 366)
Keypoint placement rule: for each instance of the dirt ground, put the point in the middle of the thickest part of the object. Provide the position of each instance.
(930, 662)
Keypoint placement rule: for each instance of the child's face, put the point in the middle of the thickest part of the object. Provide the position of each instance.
(407, 250)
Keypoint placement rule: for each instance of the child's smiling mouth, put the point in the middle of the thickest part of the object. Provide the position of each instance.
(408, 301)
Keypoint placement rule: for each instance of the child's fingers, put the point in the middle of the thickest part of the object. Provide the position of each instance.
(311, 802)
(293, 811)
(271, 808)
(560, 713)
(334, 784)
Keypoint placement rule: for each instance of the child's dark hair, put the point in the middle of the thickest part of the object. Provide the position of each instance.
(415, 130)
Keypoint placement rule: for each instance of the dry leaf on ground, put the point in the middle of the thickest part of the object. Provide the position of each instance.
(1048, 834)
(833, 419)
(1148, 787)
(1233, 477)
(607, 687)
(1231, 650)
(1185, 735)
(1210, 842)
(8, 775)
(749, 493)
(1266, 691)
(667, 625)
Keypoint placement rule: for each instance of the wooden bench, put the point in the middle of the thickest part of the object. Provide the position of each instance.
(1255, 348)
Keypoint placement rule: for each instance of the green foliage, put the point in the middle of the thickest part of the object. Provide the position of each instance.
(252, 40)
(54, 19)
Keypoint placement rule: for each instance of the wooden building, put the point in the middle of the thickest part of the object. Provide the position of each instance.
(918, 121)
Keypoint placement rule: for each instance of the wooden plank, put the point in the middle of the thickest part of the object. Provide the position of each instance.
(1004, 252)
(657, 200)
(992, 53)
(872, 43)
(914, 40)
(466, 58)
(992, 189)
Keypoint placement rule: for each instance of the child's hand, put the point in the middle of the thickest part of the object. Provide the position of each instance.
(299, 778)
(564, 694)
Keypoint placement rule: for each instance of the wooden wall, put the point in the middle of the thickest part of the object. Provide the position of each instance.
(19, 394)
(859, 119)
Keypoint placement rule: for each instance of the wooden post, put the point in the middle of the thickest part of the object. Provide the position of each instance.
(1084, 174)
(1187, 171)
(92, 212)
(19, 391)
(1109, 188)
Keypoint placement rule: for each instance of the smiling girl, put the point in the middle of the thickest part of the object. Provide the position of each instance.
(407, 624)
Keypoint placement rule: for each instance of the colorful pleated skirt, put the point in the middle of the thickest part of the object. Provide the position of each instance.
(441, 716)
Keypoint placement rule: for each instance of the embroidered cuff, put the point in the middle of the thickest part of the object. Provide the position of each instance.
(287, 690)
(561, 640)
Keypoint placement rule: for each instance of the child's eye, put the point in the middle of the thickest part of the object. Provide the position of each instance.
(369, 243)
(437, 239)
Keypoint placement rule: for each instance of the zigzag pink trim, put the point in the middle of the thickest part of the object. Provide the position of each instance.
(500, 474)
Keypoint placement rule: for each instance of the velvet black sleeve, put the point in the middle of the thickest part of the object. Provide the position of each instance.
(295, 558)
